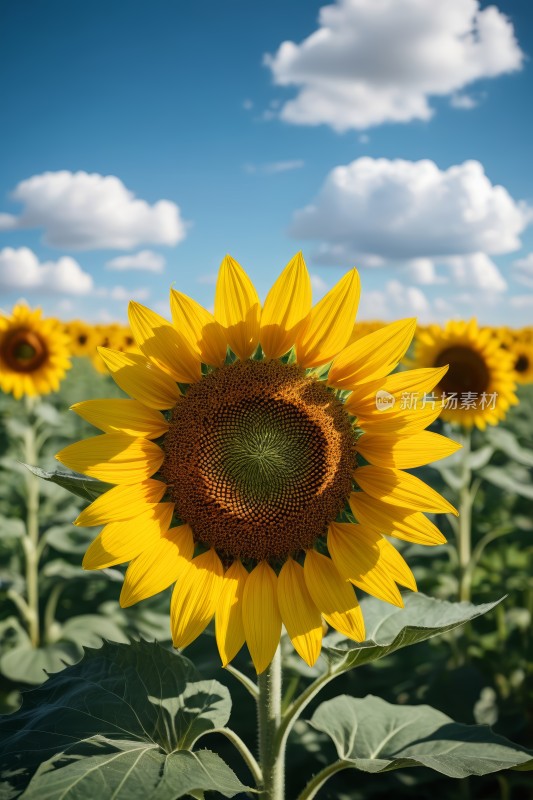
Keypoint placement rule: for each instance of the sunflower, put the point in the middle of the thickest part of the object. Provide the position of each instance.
(114, 336)
(241, 470)
(82, 337)
(34, 353)
(520, 346)
(479, 386)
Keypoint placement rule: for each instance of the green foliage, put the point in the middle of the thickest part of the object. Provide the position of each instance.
(120, 724)
(374, 736)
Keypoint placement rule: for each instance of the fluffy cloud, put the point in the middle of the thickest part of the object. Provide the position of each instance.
(395, 300)
(523, 270)
(477, 270)
(376, 211)
(89, 211)
(274, 167)
(144, 259)
(21, 270)
(376, 61)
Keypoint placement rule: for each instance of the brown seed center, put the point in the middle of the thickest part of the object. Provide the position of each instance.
(23, 350)
(259, 459)
(468, 371)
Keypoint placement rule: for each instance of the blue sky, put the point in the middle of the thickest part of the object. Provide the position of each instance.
(179, 103)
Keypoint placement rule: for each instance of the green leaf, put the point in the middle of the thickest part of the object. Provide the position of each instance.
(127, 770)
(140, 693)
(389, 628)
(506, 441)
(11, 528)
(88, 488)
(67, 538)
(507, 481)
(27, 664)
(391, 737)
(62, 569)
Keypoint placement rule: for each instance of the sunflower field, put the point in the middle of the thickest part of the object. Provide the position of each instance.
(251, 553)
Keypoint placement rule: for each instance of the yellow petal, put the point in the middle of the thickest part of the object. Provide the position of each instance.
(286, 308)
(121, 541)
(402, 523)
(113, 458)
(123, 416)
(195, 597)
(199, 327)
(141, 379)
(407, 423)
(372, 356)
(333, 596)
(260, 615)
(158, 566)
(329, 324)
(405, 452)
(364, 557)
(407, 388)
(401, 489)
(237, 308)
(299, 614)
(159, 341)
(122, 502)
(229, 627)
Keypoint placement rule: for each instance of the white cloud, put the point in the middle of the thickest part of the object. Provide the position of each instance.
(20, 269)
(274, 167)
(122, 294)
(476, 270)
(422, 271)
(376, 210)
(521, 301)
(247, 105)
(207, 280)
(523, 270)
(90, 211)
(463, 101)
(376, 61)
(395, 300)
(144, 259)
(319, 285)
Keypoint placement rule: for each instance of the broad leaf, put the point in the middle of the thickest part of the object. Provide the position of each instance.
(140, 693)
(389, 628)
(511, 479)
(391, 737)
(88, 488)
(506, 441)
(126, 770)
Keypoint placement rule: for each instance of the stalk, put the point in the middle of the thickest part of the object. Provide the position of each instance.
(31, 541)
(271, 755)
(466, 497)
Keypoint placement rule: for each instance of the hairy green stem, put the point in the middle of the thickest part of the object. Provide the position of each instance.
(241, 747)
(271, 750)
(31, 541)
(248, 684)
(320, 778)
(465, 522)
(296, 708)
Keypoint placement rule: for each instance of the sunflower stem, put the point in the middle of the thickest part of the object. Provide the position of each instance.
(271, 750)
(465, 522)
(320, 779)
(31, 541)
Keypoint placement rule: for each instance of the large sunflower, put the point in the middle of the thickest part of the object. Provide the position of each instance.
(34, 353)
(479, 386)
(240, 470)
